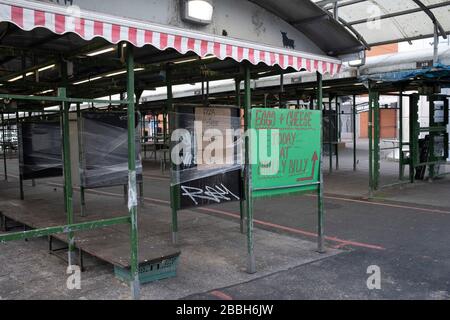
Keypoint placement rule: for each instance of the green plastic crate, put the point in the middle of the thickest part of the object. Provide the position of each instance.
(149, 272)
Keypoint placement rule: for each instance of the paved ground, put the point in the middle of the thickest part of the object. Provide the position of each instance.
(404, 231)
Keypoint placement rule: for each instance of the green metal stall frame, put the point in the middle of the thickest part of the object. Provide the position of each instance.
(70, 228)
(246, 204)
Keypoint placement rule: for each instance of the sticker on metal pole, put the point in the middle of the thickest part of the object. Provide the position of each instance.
(285, 151)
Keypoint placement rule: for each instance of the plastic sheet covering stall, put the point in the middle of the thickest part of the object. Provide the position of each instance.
(104, 149)
(206, 155)
(40, 150)
(330, 134)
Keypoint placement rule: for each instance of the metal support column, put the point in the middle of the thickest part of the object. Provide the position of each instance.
(436, 45)
(320, 222)
(281, 93)
(67, 171)
(174, 194)
(338, 118)
(354, 132)
(242, 201)
(5, 169)
(370, 135)
(132, 189)
(376, 143)
(414, 132)
(251, 265)
(400, 138)
(80, 165)
(22, 194)
(330, 135)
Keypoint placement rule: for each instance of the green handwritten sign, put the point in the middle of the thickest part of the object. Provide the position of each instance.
(285, 151)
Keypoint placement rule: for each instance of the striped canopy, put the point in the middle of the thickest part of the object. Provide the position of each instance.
(28, 15)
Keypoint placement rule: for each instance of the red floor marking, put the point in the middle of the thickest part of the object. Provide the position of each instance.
(298, 231)
(221, 295)
(339, 246)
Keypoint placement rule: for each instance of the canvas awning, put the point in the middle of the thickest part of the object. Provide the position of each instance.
(29, 15)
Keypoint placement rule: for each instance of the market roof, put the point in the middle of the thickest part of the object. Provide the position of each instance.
(29, 15)
(406, 67)
(378, 22)
(331, 36)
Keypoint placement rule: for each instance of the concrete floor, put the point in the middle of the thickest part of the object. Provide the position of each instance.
(404, 231)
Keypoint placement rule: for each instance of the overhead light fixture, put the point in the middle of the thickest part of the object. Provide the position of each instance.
(194, 59)
(99, 52)
(87, 80)
(46, 68)
(359, 61)
(197, 11)
(117, 73)
(46, 91)
(52, 108)
(15, 79)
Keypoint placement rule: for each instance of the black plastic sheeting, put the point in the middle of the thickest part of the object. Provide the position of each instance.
(40, 150)
(210, 184)
(104, 143)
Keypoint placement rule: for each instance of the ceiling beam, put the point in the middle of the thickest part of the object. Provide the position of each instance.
(432, 17)
(356, 33)
(328, 4)
(426, 36)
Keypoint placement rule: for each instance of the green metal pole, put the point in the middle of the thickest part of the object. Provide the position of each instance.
(320, 220)
(281, 93)
(132, 189)
(242, 201)
(164, 138)
(22, 193)
(354, 132)
(414, 131)
(432, 136)
(84, 226)
(376, 167)
(174, 194)
(330, 134)
(80, 162)
(164, 126)
(338, 118)
(141, 183)
(61, 111)
(67, 173)
(400, 138)
(5, 169)
(370, 135)
(251, 265)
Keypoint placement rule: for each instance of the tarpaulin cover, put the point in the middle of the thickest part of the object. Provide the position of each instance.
(104, 143)
(40, 150)
(207, 153)
(438, 71)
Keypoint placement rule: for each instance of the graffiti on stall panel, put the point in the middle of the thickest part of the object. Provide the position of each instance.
(216, 194)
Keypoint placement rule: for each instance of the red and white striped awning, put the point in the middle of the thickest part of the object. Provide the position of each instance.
(28, 15)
